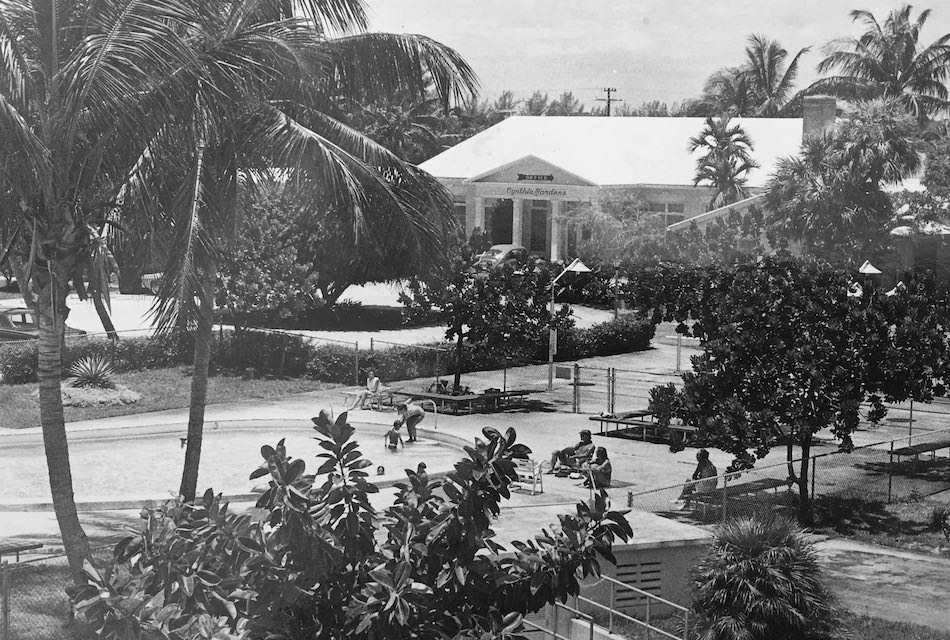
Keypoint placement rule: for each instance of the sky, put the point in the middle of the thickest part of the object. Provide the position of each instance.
(646, 49)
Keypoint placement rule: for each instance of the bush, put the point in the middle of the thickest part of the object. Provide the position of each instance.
(92, 371)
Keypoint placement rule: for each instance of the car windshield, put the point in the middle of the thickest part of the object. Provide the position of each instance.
(494, 252)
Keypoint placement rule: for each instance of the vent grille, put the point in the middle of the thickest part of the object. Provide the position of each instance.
(647, 576)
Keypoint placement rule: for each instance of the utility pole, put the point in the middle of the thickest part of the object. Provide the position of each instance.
(609, 99)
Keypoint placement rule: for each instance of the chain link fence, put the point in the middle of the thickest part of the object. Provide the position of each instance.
(908, 468)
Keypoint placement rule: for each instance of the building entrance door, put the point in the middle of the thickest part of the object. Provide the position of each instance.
(500, 223)
(540, 215)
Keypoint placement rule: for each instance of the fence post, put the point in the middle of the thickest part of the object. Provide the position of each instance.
(725, 494)
(356, 348)
(438, 369)
(371, 345)
(504, 376)
(577, 388)
(679, 348)
(890, 473)
(4, 601)
(611, 389)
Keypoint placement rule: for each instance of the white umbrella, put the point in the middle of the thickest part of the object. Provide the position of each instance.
(869, 269)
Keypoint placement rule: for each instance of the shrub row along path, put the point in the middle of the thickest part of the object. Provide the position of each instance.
(879, 581)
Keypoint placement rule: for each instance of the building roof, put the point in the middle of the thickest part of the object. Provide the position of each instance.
(611, 151)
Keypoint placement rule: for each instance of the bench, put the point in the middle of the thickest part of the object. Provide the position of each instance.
(18, 548)
(447, 402)
(498, 399)
(717, 498)
(383, 396)
(628, 423)
(923, 447)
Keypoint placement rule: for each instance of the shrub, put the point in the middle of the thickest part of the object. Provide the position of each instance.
(318, 564)
(761, 580)
(93, 372)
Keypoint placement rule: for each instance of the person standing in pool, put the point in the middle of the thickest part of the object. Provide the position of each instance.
(410, 415)
(393, 438)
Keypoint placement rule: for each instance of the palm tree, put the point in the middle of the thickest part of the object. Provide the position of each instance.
(761, 580)
(831, 196)
(888, 61)
(729, 91)
(770, 79)
(77, 98)
(271, 113)
(726, 159)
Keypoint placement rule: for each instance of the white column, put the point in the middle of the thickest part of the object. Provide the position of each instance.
(517, 221)
(555, 230)
(480, 213)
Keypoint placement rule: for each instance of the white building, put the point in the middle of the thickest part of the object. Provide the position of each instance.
(514, 179)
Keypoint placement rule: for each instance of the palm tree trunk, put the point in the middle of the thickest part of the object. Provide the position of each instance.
(199, 397)
(105, 318)
(459, 351)
(49, 372)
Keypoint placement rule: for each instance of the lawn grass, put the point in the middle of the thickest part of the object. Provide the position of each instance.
(905, 524)
(161, 389)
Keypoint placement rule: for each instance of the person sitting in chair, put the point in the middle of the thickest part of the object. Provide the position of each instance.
(573, 457)
(599, 469)
(703, 480)
(372, 389)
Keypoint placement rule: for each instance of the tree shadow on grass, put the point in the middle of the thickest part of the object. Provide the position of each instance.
(855, 515)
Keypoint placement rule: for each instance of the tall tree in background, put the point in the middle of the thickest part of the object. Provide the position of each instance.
(725, 161)
(831, 197)
(889, 61)
(772, 81)
(761, 86)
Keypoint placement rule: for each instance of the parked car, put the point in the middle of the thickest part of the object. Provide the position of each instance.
(500, 254)
(19, 324)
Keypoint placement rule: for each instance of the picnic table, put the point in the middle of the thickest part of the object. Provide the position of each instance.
(18, 547)
(628, 423)
(923, 447)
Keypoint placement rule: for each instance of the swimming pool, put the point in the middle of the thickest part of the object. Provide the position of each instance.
(127, 466)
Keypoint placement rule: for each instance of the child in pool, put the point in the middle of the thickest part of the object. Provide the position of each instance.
(393, 438)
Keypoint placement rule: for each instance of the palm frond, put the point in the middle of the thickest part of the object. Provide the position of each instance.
(371, 66)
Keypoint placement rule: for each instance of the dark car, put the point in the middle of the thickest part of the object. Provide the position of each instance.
(500, 254)
(19, 324)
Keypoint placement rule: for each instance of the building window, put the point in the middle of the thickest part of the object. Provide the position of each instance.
(459, 211)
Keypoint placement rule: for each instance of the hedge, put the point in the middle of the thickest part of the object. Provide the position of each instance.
(283, 354)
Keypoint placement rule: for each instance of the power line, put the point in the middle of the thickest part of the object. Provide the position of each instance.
(609, 99)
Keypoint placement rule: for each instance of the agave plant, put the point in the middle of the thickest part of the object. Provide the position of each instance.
(761, 580)
(92, 371)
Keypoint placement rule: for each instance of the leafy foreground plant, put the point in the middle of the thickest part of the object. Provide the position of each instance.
(761, 580)
(92, 372)
(316, 560)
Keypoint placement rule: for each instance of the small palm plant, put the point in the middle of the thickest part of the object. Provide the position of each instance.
(92, 372)
(760, 580)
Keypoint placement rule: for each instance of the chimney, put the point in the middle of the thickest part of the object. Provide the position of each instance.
(818, 114)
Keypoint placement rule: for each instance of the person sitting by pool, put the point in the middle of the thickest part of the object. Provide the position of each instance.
(703, 480)
(410, 415)
(599, 469)
(372, 390)
(573, 457)
(393, 438)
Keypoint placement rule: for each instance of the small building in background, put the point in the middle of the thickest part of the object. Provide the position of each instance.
(516, 179)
